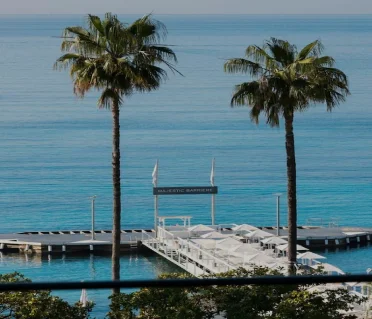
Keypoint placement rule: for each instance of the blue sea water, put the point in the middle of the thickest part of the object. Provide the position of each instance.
(55, 149)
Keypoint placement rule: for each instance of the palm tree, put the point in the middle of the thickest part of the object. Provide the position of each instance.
(116, 59)
(285, 81)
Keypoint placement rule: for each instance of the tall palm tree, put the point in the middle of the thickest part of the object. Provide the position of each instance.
(117, 59)
(285, 80)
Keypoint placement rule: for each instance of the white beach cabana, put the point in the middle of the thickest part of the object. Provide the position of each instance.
(257, 235)
(259, 259)
(329, 269)
(199, 230)
(206, 243)
(284, 247)
(273, 241)
(243, 228)
(278, 266)
(227, 243)
(214, 235)
(309, 257)
(245, 249)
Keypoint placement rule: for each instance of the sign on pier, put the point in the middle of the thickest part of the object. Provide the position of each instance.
(185, 190)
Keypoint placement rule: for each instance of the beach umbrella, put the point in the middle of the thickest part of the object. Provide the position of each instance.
(258, 234)
(84, 297)
(273, 241)
(244, 227)
(310, 256)
(200, 228)
(285, 247)
(214, 235)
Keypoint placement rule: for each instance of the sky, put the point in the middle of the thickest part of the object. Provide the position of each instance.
(186, 6)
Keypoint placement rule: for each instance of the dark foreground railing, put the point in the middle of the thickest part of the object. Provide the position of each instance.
(172, 283)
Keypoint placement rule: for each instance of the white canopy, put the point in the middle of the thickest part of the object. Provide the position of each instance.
(260, 259)
(277, 265)
(285, 247)
(214, 234)
(244, 227)
(329, 268)
(274, 241)
(258, 234)
(200, 228)
(245, 248)
(205, 243)
(310, 256)
(228, 242)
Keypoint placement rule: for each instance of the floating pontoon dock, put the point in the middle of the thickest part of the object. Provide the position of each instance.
(70, 241)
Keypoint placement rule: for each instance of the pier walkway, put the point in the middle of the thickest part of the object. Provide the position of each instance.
(186, 254)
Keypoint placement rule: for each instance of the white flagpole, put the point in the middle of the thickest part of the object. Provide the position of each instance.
(156, 203)
(213, 195)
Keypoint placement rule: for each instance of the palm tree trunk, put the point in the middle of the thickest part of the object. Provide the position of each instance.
(291, 191)
(116, 212)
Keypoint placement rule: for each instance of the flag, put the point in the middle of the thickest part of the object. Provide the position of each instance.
(155, 175)
(212, 174)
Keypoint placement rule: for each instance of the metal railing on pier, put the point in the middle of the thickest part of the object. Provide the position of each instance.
(185, 254)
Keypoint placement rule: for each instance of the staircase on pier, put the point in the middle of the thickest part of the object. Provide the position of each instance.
(185, 254)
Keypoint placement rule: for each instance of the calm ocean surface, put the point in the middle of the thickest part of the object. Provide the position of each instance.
(55, 150)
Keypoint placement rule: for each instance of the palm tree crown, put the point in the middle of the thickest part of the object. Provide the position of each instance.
(116, 58)
(286, 80)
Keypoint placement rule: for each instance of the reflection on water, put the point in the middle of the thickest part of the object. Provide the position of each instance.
(87, 267)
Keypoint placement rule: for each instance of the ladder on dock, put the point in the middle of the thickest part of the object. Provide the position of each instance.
(185, 254)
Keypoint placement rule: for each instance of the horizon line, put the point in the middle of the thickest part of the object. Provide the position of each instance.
(186, 14)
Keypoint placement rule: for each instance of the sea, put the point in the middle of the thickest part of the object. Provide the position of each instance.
(55, 149)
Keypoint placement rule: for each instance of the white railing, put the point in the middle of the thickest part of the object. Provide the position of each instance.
(192, 251)
(185, 254)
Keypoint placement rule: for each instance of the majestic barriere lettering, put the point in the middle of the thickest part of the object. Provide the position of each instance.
(185, 190)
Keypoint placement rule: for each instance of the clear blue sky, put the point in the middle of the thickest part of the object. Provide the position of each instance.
(186, 6)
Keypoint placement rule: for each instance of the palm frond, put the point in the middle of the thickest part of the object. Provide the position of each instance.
(259, 55)
(324, 61)
(244, 93)
(67, 60)
(243, 66)
(148, 30)
(95, 26)
(282, 51)
(84, 42)
(107, 97)
(312, 49)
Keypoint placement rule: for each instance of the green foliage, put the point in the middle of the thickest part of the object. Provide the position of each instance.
(234, 302)
(285, 80)
(37, 304)
(115, 57)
